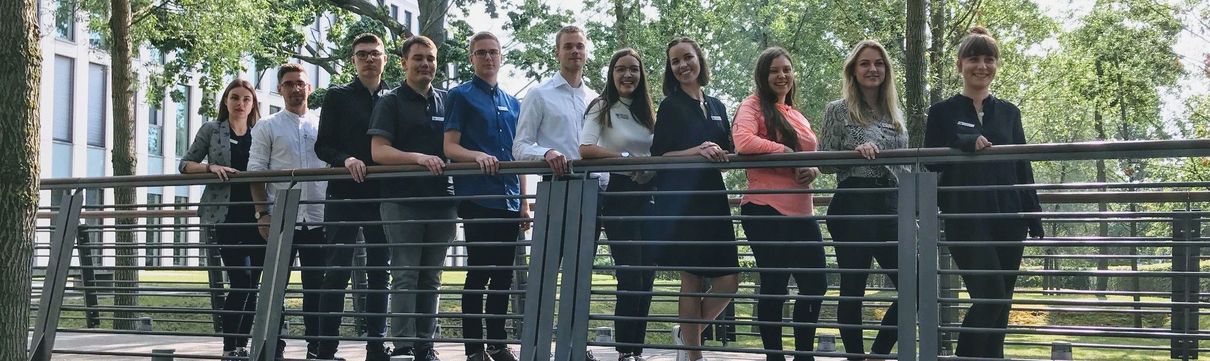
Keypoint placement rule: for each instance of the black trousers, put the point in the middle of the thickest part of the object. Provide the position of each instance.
(808, 254)
(861, 257)
(629, 331)
(311, 279)
(994, 287)
(334, 303)
(247, 279)
(480, 279)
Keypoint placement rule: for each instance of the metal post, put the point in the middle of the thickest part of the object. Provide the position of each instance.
(947, 288)
(162, 354)
(88, 278)
(537, 328)
(930, 225)
(1184, 288)
(908, 188)
(66, 224)
(266, 325)
(574, 305)
(215, 276)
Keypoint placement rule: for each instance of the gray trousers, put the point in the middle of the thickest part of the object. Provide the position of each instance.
(436, 238)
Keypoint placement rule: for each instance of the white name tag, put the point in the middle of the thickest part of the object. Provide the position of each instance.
(965, 124)
(716, 118)
(233, 141)
(622, 116)
(502, 108)
(438, 119)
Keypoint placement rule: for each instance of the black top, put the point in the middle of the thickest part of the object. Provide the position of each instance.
(414, 124)
(342, 134)
(954, 123)
(240, 192)
(680, 125)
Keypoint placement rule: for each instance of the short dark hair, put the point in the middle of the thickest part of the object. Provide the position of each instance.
(569, 29)
(366, 38)
(415, 40)
(287, 69)
(703, 76)
(978, 41)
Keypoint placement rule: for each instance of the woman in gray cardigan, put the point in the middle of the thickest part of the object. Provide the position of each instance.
(224, 144)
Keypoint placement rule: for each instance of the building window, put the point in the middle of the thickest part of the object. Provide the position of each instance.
(155, 130)
(180, 236)
(395, 12)
(98, 79)
(65, 79)
(65, 20)
(407, 21)
(153, 240)
(182, 121)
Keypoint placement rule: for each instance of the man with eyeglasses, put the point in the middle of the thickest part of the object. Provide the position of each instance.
(284, 141)
(480, 122)
(343, 142)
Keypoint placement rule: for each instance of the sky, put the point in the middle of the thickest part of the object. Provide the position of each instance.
(1192, 46)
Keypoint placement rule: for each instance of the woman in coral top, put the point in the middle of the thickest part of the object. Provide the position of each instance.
(768, 123)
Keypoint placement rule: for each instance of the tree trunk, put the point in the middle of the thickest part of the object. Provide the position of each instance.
(937, 12)
(20, 77)
(432, 25)
(620, 18)
(123, 153)
(1102, 283)
(914, 66)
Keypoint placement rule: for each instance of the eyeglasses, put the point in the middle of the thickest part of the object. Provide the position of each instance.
(484, 54)
(367, 55)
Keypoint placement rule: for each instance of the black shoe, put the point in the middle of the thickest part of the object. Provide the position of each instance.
(626, 356)
(402, 351)
(235, 355)
(501, 354)
(426, 354)
(478, 356)
(379, 354)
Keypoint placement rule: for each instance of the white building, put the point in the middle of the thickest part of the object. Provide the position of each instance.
(77, 123)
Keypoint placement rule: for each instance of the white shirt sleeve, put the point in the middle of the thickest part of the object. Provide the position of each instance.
(525, 144)
(262, 144)
(591, 134)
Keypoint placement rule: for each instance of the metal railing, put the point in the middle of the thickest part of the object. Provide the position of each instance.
(560, 309)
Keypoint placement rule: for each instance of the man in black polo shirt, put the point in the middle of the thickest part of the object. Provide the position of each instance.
(407, 128)
(343, 142)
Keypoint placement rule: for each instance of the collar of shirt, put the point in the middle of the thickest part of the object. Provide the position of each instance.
(484, 86)
(407, 93)
(383, 88)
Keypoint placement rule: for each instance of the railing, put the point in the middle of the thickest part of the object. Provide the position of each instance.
(561, 309)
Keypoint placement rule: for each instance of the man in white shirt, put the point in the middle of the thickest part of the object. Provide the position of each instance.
(553, 113)
(286, 140)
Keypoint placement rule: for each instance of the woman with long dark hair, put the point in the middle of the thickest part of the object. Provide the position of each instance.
(619, 124)
(224, 144)
(768, 123)
(867, 119)
(973, 121)
(690, 123)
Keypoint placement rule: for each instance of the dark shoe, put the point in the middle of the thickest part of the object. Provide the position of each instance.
(626, 356)
(478, 356)
(501, 354)
(426, 354)
(235, 355)
(378, 354)
(402, 351)
(589, 357)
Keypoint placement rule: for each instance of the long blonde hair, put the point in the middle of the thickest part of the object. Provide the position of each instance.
(888, 97)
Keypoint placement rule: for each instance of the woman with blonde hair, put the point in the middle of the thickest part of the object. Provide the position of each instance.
(867, 120)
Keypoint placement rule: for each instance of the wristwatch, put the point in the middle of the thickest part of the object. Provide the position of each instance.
(625, 154)
(260, 214)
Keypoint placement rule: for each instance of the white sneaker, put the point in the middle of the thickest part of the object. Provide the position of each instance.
(681, 355)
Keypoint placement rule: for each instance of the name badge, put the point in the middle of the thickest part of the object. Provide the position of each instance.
(716, 118)
(233, 141)
(622, 116)
(438, 119)
(502, 108)
(965, 124)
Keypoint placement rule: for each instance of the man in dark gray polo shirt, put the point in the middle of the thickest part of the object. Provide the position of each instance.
(408, 126)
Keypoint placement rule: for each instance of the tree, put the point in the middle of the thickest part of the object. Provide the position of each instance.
(20, 76)
(915, 66)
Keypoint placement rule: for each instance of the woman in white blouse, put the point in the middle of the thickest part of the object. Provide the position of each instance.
(619, 124)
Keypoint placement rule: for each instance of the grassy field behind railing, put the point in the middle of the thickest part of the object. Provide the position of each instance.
(200, 323)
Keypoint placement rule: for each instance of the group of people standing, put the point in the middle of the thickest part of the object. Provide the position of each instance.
(366, 123)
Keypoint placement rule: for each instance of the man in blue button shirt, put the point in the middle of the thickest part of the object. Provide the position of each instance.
(480, 122)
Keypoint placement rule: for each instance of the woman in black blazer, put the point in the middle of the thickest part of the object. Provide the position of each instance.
(224, 144)
(973, 121)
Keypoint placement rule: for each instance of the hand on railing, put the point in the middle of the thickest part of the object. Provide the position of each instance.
(806, 175)
(868, 150)
(356, 168)
(982, 143)
(222, 171)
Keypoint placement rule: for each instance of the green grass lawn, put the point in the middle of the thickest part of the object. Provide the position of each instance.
(666, 306)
